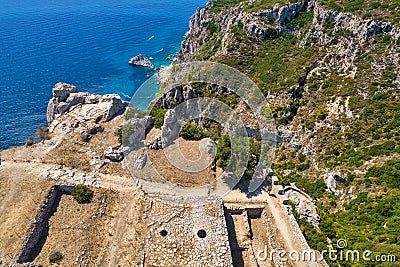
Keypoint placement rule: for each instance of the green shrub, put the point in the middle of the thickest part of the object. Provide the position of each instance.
(223, 154)
(218, 5)
(212, 27)
(42, 133)
(82, 194)
(303, 167)
(322, 114)
(191, 131)
(55, 257)
(388, 173)
(354, 5)
(30, 141)
(158, 115)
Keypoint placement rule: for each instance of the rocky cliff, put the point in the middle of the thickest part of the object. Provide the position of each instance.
(326, 61)
(100, 108)
(330, 71)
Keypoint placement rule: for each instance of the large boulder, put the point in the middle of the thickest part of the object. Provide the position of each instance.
(61, 91)
(114, 153)
(135, 129)
(208, 146)
(170, 129)
(114, 106)
(330, 179)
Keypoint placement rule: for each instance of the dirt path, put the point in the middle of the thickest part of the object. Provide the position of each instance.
(126, 236)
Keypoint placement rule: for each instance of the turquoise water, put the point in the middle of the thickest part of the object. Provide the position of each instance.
(87, 43)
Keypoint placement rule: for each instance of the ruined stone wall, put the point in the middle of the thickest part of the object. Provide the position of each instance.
(186, 231)
(40, 224)
(292, 220)
(304, 204)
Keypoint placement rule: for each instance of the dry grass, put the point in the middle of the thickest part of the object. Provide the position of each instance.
(21, 194)
(79, 231)
(190, 150)
(73, 152)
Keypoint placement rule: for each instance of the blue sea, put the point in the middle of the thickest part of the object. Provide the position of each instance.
(84, 42)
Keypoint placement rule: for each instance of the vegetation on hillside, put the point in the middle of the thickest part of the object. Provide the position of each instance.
(350, 118)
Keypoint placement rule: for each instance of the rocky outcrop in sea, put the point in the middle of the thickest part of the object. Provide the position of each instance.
(141, 60)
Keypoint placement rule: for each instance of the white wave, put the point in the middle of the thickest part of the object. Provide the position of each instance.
(125, 95)
(151, 37)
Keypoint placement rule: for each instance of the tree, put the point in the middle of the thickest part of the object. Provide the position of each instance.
(322, 114)
(42, 133)
(223, 152)
(158, 115)
(82, 193)
(191, 131)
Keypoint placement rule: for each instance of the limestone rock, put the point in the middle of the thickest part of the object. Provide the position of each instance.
(207, 145)
(114, 105)
(177, 95)
(304, 204)
(94, 107)
(114, 153)
(69, 175)
(135, 130)
(61, 91)
(330, 182)
(331, 178)
(96, 129)
(170, 128)
(140, 159)
(155, 143)
(141, 60)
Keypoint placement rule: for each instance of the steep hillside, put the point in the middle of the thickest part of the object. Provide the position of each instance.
(332, 80)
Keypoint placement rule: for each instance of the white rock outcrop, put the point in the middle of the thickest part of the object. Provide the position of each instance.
(94, 107)
(141, 60)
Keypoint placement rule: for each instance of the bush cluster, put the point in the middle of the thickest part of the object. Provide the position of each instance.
(82, 194)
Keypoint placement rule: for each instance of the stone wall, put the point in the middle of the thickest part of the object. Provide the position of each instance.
(304, 204)
(295, 193)
(40, 225)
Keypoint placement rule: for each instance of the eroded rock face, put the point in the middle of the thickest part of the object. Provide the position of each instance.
(141, 60)
(170, 128)
(177, 95)
(135, 130)
(304, 204)
(94, 107)
(331, 180)
(114, 153)
(266, 24)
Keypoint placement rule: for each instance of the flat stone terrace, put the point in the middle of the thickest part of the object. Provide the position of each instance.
(186, 231)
